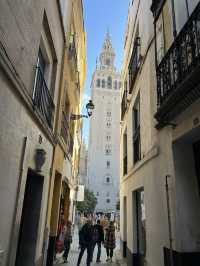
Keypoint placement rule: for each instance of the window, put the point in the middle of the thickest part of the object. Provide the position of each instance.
(98, 83)
(108, 194)
(42, 96)
(108, 179)
(159, 39)
(108, 113)
(108, 137)
(107, 200)
(108, 124)
(97, 194)
(109, 82)
(115, 84)
(103, 83)
(125, 168)
(107, 61)
(108, 151)
(134, 61)
(108, 164)
(136, 131)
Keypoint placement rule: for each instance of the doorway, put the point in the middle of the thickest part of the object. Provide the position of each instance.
(30, 220)
(196, 149)
(125, 227)
(141, 226)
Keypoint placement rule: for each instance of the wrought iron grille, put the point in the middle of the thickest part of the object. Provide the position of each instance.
(157, 6)
(181, 59)
(65, 133)
(42, 98)
(124, 104)
(72, 49)
(134, 64)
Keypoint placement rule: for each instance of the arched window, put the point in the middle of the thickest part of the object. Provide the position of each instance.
(109, 82)
(115, 84)
(107, 61)
(103, 83)
(98, 83)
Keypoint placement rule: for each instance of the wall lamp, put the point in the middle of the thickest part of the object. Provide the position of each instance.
(89, 107)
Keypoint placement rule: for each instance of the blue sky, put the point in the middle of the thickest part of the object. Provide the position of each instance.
(100, 15)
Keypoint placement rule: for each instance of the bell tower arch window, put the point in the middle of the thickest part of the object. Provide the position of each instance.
(109, 82)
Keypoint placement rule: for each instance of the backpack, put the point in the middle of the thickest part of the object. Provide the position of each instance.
(95, 234)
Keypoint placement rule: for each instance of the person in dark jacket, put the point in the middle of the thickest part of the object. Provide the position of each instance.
(110, 240)
(85, 242)
(98, 239)
(67, 240)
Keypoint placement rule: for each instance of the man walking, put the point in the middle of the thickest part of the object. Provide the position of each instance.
(98, 238)
(85, 242)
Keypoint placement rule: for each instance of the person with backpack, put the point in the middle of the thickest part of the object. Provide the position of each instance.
(86, 242)
(98, 239)
(110, 240)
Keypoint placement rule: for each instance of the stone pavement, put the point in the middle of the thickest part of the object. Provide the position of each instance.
(74, 252)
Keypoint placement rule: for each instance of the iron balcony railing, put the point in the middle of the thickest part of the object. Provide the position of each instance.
(175, 73)
(124, 104)
(157, 6)
(42, 98)
(72, 49)
(134, 64)
(66, 135)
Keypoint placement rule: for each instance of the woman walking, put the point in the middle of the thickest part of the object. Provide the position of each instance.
(67, 240)
(110, 241)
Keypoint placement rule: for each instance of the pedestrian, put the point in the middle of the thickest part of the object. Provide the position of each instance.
(67, 240)
(85, 242)
(110, 241)
(98, 239)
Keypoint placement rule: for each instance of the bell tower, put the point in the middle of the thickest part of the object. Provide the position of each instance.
(107, 55)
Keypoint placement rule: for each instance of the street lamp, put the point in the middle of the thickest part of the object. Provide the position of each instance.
(89, 106)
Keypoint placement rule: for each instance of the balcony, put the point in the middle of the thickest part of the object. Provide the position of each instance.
(134, 64)
(156, 7)
(42, 98)
(178, 74)
(66, 135)
(72, 52)
(124, 104)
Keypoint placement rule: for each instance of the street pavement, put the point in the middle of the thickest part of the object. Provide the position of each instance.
(74, 252)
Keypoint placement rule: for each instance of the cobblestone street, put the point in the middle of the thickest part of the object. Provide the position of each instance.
(74, 252)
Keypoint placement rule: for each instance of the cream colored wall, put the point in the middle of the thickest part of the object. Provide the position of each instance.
(150, 172)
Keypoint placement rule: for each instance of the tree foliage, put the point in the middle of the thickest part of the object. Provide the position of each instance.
(89, 203)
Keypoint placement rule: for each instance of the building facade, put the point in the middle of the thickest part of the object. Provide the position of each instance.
(31, 52)
(42, 73)
(103, 150)
(159, 191)
(83, 165)
(65, 175)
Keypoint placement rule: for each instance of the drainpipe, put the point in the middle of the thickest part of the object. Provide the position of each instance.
(169, 222)
(174, 19)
